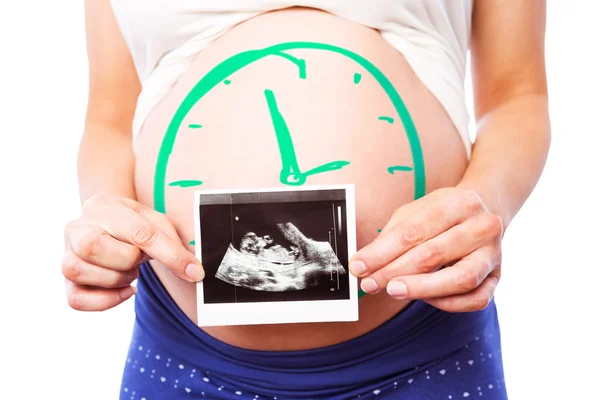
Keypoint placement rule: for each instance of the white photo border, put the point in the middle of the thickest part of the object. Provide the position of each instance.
(280, 312)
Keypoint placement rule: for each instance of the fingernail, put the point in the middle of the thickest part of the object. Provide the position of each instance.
(195, 272)
(369, 285)
(397, 289)
(358, 267)
(127, 292)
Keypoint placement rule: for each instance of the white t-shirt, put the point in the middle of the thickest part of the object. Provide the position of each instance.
(164, 36)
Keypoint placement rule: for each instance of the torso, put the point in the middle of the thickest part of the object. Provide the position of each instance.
(333, 113)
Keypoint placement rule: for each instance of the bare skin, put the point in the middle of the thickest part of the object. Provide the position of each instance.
(118, 228)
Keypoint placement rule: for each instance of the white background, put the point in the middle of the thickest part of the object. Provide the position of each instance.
(547, 299)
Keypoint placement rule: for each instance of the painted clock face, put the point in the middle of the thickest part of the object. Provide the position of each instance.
(291, 172)
(282, 155)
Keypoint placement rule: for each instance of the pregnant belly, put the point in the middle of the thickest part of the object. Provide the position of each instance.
(274, 104)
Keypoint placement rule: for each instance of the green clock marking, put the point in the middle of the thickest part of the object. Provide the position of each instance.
(395, 168)
(227, 81)
(387, 119)
(186, 183)
(238, 61)
(194, 126)
(192, 242)
(357, 78)
(300, 63)
(291, 174)
(379, 230)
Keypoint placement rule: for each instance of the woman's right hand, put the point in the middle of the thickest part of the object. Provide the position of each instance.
(106, 244)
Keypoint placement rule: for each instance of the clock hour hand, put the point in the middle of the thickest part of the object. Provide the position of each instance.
(330, 166)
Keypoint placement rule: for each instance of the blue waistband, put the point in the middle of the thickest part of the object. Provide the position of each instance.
(419, 336)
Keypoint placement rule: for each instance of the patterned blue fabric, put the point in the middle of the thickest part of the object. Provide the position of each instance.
(422, 353)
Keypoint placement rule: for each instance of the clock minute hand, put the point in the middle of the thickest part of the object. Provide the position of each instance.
(290, 170)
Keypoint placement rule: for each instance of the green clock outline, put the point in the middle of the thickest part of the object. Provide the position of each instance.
(238, 61)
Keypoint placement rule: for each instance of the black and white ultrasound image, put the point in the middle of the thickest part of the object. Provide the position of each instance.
(256, 248)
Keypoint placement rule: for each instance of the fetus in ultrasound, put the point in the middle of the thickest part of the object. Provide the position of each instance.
(261, 264)
(263, 248)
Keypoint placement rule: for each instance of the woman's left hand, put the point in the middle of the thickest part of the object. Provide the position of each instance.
(444, 248)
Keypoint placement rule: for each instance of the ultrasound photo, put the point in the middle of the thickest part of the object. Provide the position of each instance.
(264, 249)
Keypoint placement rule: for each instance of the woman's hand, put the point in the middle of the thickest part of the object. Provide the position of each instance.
(105, 246)
(444, 248)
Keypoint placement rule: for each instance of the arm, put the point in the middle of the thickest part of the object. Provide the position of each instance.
(511, 103)
(445, 248)
(106, 160)
(114, 233)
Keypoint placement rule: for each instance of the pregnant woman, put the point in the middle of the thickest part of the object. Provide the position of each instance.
(190, 94)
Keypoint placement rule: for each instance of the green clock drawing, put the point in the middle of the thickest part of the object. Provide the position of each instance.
(292, 172)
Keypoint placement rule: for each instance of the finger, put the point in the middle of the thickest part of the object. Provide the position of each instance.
(404, 212)
(95, 246)
(438, 216)
(475, 300)
(83, 298)
(451, 245)
(81, 272)
(409, 209)
(158, 219)
(127, 225)
(465, 276)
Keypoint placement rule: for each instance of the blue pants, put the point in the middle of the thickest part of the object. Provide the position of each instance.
(422, 353)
